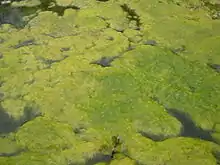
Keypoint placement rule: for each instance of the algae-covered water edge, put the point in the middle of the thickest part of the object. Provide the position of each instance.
(109, 82)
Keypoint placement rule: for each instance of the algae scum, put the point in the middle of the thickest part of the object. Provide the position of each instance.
(110, 82)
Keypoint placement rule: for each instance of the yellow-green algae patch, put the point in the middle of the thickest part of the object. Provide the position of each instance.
(57, 140)
(84, 105)
(27, 3)
(172, 151)
(78, 3)
(123, 161)
(8, 146)
(169, 80)
(53, 136)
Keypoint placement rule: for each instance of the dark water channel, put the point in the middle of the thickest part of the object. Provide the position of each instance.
(15, 15)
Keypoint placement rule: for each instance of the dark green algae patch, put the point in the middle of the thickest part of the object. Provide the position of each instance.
(161, 100)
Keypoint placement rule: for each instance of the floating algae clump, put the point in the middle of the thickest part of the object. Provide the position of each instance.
(160, 98)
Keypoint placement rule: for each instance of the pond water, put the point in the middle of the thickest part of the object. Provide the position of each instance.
(110, 82)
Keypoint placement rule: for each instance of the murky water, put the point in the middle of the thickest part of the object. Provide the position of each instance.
(19, 18)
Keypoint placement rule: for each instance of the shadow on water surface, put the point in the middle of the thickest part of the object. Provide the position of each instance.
(132, 15)
(115, 153)
(15, 153)
(215, 67)
(188, 129)
(216, 154)
(9, 124)
(14, 15)
(99, 158)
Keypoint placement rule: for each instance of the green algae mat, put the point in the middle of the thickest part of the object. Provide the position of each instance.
(110, 82)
